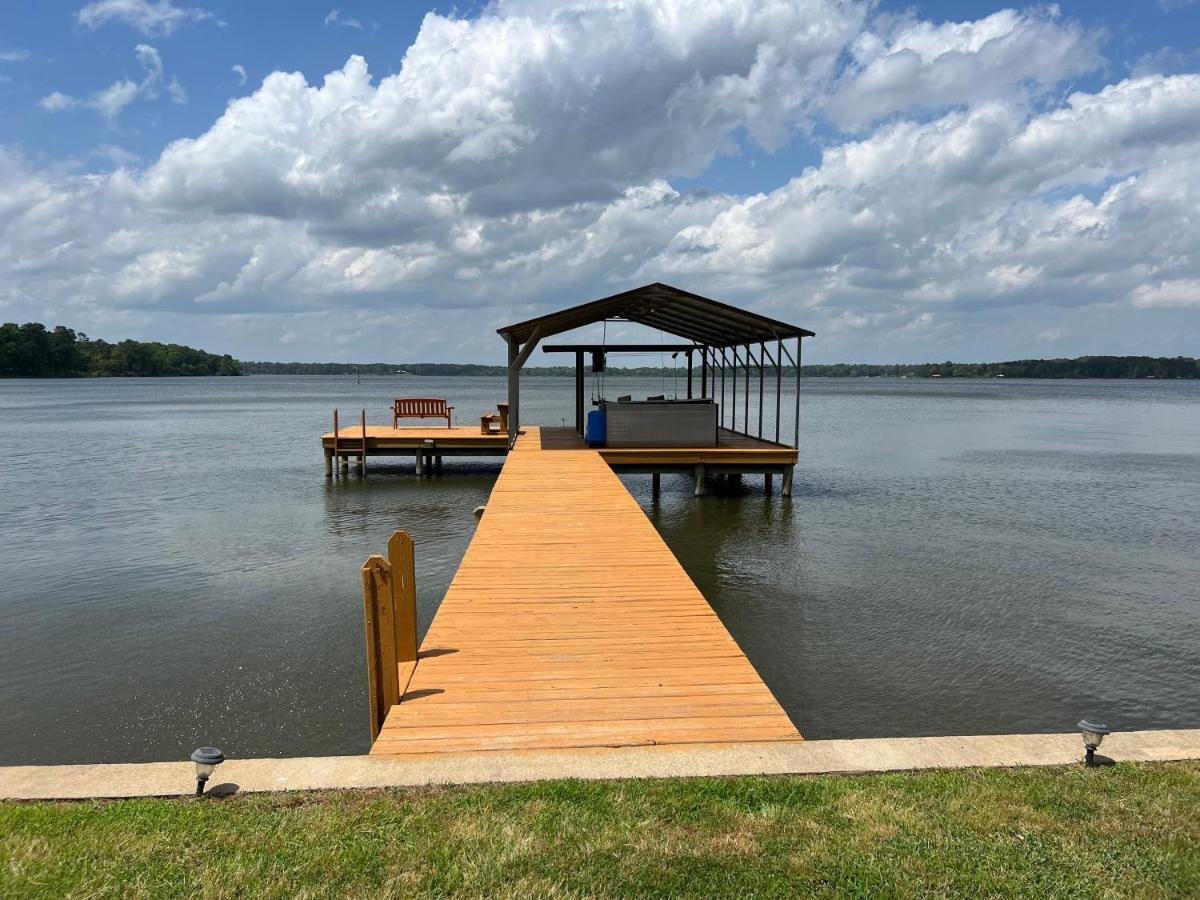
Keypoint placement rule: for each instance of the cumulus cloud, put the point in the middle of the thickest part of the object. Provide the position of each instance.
(110, 101)
(152, 19)
(534, 106)
(532, 155)
(915, 66)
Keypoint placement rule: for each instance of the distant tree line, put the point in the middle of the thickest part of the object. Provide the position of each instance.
(33, 351)
(1083, 367)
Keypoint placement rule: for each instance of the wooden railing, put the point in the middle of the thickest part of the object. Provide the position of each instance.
(390, 613)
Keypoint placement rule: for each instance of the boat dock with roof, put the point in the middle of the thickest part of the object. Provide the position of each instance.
(569, 623)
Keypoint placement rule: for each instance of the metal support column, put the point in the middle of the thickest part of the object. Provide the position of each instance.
(514, 389)
(745, 417)
(579, 414)
(778, 386)
(797, 443)
(762, 351)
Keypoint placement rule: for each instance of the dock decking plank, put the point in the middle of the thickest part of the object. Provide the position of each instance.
(570, 624)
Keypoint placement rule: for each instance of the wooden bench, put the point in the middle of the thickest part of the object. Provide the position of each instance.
(420, 408)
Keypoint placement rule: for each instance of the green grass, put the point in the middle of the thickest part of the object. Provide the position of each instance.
(1126, 830)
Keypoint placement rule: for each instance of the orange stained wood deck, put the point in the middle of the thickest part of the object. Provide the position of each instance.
(410, 437)
(570, 624)
(732, 448)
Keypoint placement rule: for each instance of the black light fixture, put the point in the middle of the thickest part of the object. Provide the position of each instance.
(1093, 735)
(206, 760)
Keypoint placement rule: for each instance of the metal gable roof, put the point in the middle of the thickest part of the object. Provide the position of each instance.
(675, 311)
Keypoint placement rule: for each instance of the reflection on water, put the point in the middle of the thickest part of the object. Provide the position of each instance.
(958, 557)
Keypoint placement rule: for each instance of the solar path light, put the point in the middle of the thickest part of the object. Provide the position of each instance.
(206, 759)
(1093, 734)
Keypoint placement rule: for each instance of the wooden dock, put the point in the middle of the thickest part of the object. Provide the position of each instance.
(570, 624)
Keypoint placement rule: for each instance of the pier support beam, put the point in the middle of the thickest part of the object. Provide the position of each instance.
(328, 462)
(420, 468)
(768, 483)
(699, 488)
(787, 481)
(655, 483)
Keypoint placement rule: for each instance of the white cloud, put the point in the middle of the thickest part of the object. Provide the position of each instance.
(13, 55)
(57, 102)
(239, 70)
(915, 66)
(150, 18)
(176, 91)
(535, 105)
(112, 100)
(1183, 292)
(335, 17)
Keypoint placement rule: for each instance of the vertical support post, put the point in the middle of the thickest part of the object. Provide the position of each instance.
(579, 416)
(335, 434)
(722, 386)
(797, 443)
(328, 462)
(698, 491)
(655, 483)
(768, 481)
(745, 418)
(514, 389)
(733, 398)
(402, 559)
(703, 371)
(689, 358)
(420, 468)
(778, 385)
(362, 459)
(788, 472)
(390, 620)
(762, 351)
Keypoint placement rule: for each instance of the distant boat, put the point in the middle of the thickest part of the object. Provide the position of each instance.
(935, 375)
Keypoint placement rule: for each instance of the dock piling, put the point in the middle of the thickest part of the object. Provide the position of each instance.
(787, 481)
(699, 488)
(390, 616)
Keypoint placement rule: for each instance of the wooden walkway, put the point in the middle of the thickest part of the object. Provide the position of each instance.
(570, 624)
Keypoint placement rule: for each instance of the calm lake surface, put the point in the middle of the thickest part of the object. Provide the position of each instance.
(959, 557)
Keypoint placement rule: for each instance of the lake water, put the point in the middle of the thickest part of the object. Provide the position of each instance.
(958, 557)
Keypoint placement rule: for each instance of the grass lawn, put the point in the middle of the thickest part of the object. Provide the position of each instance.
(1123, 830)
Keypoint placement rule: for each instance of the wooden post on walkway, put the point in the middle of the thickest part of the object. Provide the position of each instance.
(335, 436)
(390, 617)
(362, 459)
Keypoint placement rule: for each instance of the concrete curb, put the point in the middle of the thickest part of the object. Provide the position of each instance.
(777, 758)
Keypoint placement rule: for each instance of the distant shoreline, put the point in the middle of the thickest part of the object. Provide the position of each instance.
(1084, 367)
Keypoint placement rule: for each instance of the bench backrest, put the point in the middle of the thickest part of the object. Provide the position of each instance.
(420, 406)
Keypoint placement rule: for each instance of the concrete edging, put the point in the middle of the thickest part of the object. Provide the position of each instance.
(777, 758)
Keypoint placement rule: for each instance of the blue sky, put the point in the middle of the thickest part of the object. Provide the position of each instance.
(784, 155)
